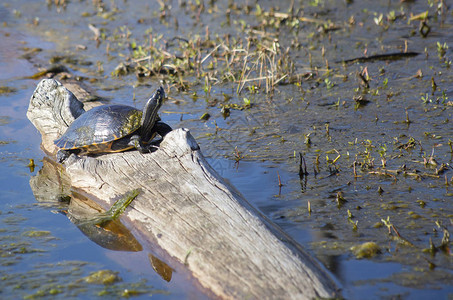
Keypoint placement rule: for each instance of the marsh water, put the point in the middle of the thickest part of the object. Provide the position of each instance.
(375, 134)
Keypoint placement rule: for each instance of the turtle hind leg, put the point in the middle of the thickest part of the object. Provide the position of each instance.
(62, 155)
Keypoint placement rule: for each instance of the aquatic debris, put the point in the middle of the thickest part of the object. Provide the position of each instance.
(398, 237)
(445, 243)
(31, 165)
(68, 60)
(354, 224)
(96, 31)
(30, 53)
(205, 117)
(380, 190)
(386, 56)
(340, 199)
(235, 106)
(225, 112)
(280, 184)
(366, 250)
(51, 71)
(302, 166)
(360, 101)
(237, 154)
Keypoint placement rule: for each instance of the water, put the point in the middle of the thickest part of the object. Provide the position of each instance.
(42, 252)
(269, 136)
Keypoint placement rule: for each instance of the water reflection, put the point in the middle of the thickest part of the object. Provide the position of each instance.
(51, 185)
(161, 268)
(112, 235)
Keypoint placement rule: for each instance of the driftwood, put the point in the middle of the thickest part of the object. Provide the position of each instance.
(186, 209)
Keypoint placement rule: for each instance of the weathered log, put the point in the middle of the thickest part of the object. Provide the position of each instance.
(187, 209)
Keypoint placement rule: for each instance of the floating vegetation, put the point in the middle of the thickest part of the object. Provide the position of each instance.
(102, 277)
(4, 120)
(366, 250)
(37, 233)
(7, 90)
(68, 278)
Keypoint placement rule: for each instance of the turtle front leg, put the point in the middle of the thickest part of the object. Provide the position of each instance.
(159, 128)
(150, 146)
(162, 128)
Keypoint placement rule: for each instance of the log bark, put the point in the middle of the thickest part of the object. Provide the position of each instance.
(185, 208)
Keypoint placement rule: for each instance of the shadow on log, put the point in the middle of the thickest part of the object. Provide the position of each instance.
(186, 209)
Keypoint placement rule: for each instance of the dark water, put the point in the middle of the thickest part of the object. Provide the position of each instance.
(269, 136)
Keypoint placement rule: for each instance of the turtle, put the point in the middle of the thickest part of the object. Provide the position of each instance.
(114, 128)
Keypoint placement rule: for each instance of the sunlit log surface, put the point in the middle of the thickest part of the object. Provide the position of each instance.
(187, 209)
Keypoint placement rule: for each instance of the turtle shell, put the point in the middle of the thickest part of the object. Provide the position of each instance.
(97, 129)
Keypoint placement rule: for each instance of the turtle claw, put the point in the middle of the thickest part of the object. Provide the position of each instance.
(148, 148)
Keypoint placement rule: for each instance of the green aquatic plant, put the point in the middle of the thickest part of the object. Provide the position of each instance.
(441, 49)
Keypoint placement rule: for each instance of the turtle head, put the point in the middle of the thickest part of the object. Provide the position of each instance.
(150, 116)
(155, 102)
